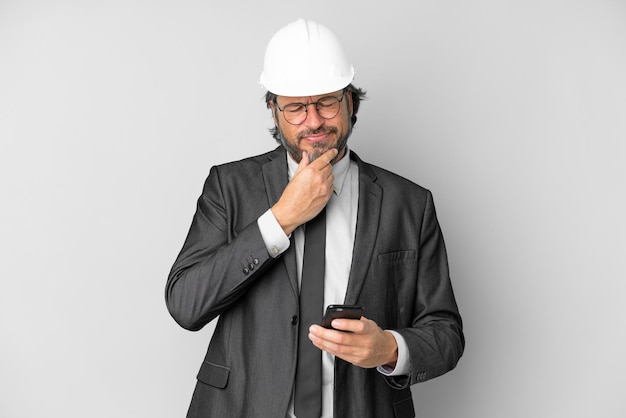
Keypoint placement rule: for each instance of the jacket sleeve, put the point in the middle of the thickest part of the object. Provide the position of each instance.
(435, 336)
(220, 259)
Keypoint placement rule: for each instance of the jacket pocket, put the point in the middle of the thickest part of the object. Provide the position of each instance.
(396, 257)
(214, 375)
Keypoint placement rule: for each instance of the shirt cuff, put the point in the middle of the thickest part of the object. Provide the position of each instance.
(403, 365)
(273, 235)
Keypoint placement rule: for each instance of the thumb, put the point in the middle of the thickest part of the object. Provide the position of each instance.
(304, 161)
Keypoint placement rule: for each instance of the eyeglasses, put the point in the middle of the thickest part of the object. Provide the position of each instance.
(327, 107)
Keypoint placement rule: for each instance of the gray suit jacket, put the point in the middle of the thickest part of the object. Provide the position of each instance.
(399, 275)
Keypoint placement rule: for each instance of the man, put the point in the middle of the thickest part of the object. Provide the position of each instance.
(245, 260)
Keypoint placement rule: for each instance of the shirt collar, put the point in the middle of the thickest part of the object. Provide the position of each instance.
(340, 170)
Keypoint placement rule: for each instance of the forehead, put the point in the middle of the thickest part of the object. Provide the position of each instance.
(307, 99)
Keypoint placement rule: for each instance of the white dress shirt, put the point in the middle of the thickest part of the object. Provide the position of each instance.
(341, 215)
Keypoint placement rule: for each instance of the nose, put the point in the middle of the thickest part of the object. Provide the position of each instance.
(313, 119)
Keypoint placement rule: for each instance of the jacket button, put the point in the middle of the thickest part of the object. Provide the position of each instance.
(255, 261)
(294, 320)
(246, 271)
(251, 266)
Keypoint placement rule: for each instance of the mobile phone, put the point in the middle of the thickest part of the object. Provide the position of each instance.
(341, 311)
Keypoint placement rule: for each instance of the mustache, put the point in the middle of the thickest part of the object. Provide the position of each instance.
(320, 130)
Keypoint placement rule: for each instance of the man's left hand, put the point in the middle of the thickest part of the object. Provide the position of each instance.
(358, 341)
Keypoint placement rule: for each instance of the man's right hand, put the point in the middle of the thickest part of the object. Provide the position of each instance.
(307, 193)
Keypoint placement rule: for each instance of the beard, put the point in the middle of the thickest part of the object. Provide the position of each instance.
(319, 147)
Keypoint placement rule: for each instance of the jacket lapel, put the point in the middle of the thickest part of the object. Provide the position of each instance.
(276, 178)
(368, 218)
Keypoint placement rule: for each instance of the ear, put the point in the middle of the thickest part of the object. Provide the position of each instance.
(274, 114)
(350, 104)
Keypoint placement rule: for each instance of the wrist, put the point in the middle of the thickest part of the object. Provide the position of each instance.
(285, 223)
(392, 357)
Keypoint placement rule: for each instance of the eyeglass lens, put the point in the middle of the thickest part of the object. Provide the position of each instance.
(327, 108)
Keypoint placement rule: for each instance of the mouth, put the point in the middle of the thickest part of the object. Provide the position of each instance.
(315, 137)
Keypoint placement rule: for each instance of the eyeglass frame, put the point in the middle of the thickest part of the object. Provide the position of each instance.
(306, 107)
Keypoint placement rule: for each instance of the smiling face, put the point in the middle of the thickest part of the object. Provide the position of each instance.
(315, 135)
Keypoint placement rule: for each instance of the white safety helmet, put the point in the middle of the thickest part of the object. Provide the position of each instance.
(305, 59)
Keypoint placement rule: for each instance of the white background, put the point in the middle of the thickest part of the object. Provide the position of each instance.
(112, 112)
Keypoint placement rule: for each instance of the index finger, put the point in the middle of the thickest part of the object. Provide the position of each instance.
(326, 158)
